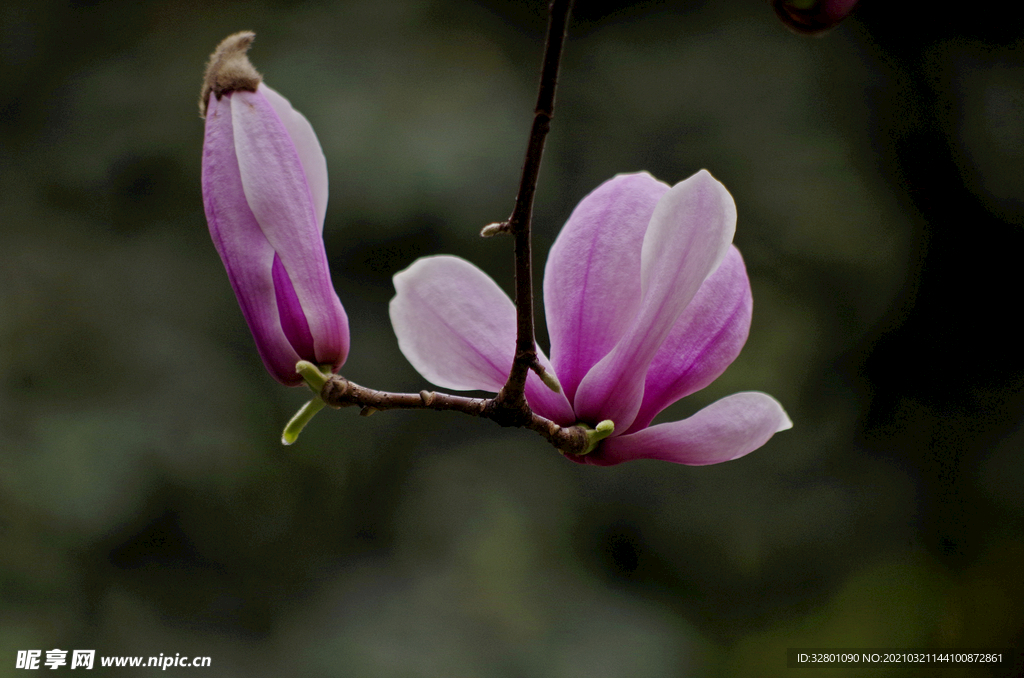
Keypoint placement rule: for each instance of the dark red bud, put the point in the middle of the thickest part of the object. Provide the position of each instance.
(812, 17)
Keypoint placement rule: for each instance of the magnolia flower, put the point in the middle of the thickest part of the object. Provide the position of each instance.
(647, 301)
(265, 194)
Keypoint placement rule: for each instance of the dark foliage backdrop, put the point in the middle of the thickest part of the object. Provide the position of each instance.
(147, 507)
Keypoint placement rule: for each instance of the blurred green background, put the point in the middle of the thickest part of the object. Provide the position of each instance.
(146, 505)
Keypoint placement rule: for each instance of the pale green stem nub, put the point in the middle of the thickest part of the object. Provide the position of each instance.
(597, 434)
(299, 421)
(315, 378)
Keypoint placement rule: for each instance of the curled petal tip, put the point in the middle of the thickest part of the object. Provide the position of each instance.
(785, 423)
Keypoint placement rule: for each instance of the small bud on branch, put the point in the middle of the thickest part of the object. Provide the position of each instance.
(491, 230)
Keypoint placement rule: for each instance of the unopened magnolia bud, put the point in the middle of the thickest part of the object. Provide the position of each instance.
(265, 196)
(812, 17)
(229, 69)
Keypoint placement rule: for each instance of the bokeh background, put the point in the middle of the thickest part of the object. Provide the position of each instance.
(147, 507)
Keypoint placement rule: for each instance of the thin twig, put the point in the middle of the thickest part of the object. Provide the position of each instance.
(339, 392)
(511, 398)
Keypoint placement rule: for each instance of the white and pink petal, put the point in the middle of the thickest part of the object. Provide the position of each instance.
(308, 147)
(279, 195)
(592, 276)
(724, 430)
(705, 340)
(688, 237)
(458, 330)
(247, 255)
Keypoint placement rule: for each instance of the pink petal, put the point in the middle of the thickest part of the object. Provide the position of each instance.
(724, 430)
(458, 329)
(705, 340)
(592, 277)
(279, 196)
(689, 235)
(308, 147)
(293, 320)
(244, 249)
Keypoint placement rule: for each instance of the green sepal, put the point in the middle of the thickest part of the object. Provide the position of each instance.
(315, 378)
(597, 434)
(294, 427)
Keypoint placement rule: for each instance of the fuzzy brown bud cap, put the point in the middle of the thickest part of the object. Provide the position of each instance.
(229, 69)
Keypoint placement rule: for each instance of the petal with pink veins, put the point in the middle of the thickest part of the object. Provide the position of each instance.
(592, 276)
(279, 196)
(307, 146)
(458, 330)
(705, 340)
(724, 430)
(247, 255)
(688, 237)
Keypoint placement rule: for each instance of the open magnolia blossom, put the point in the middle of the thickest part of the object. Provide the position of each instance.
(265, 193)
(647, 301)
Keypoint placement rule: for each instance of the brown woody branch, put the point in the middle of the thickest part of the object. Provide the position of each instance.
(511, 398)
(339, 392)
